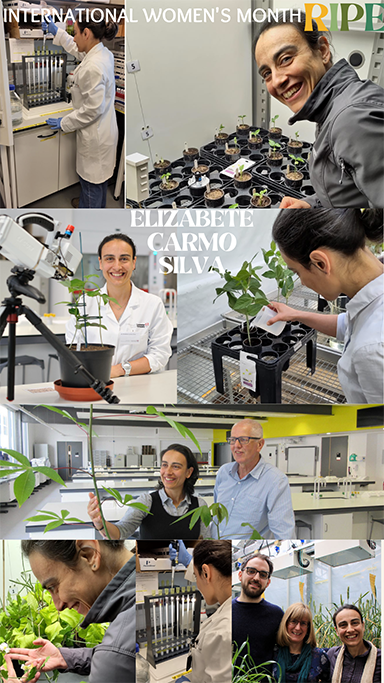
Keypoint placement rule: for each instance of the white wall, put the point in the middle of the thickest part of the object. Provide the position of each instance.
(193, 78)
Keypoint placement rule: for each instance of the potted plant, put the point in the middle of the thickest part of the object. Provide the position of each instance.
(294, 177)
(96, 358)
(255, 141)
(190, 153)
(243, 291)
(161, 165)
(242, 179)
(200, 169)
(213, 197)
(275, 156)
(259, 199)
(220, 137)
(275, 133)
(242, 129)
(168, 185)
(232, 150)
(295, 146)
(279, 271)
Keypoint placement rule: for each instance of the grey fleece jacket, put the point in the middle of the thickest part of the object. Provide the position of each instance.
(346, 166)
(113, 661)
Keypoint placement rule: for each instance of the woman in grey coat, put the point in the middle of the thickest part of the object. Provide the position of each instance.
(97, 578)
(346, 165)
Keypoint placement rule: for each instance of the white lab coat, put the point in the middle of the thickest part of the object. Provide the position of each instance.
(143, 329)
(93, 116)
(212, 651)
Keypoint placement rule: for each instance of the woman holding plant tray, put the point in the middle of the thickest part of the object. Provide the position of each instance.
(346, 165)
(161, 508)
(328, 251)
(97, 579)
(356, 660)
(297, 655)
(133, 321)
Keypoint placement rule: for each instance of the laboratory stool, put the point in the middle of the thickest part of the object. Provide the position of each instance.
(299, 523)
(50, 356)
(374, 519)
(23, 361)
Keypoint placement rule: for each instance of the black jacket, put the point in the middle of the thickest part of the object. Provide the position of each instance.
(346, 166)
(113, 661)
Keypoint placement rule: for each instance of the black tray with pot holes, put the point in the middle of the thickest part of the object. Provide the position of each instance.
(276, 176)
(271, 359)
(234, 195)
(182, 196)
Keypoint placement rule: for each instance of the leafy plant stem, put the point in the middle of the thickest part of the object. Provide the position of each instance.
(93, 472)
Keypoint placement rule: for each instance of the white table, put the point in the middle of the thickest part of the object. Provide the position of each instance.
(158, 388)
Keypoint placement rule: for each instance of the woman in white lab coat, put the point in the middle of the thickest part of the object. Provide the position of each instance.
(93, 98)
(327, 249)
(212, 649)
(136, 322)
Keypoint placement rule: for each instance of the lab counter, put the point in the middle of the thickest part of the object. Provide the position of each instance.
(158, 388)
(77, 491)
(332, 516)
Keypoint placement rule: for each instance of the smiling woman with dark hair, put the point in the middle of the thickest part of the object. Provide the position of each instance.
(173, 498)
(97, 579)
(346, 165)
(356, 659)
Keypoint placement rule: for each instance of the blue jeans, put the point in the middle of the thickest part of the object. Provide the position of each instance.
(93, 195)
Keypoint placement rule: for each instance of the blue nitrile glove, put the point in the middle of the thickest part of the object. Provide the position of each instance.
(184, 557)
(49, 25)
(182, 679)
(54, 124)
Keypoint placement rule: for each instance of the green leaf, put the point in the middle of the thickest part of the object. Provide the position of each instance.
(53, 630)
(205, 515)
(24, 485)
(49, 472)
(53, 525)
(269, 274)
(18, 456)
(6, 473)
(139, 506)
(195, 517)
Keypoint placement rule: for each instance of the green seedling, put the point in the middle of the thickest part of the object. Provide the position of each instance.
(279, 271)
(273, 120)
(242, 119)
(159, 161)
(240, 171)
(234, 206)
(296, 160)
(275, 145)
(297, 136)
(243, 290)
(260, 196)
(221, 128)
(165, 178)
(254, 133)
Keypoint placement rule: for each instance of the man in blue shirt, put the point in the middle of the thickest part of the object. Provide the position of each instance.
(252, 490)
(254, 618)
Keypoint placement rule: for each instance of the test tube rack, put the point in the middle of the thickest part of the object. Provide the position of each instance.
(44, 78)
(172, 619)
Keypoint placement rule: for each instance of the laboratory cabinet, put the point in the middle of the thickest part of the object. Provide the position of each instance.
(54, 167)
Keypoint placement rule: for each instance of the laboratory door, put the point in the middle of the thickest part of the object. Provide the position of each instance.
(334, 456)
(69, 458)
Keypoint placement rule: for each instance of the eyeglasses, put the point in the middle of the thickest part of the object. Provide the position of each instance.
(295, 622)
(243, 440)
(251, 571)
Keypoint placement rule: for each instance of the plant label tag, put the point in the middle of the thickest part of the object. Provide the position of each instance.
(130, 337)
(231, 170)
(247, 370)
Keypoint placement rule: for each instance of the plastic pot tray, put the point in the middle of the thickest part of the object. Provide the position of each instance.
(268, 371)
(234, 195)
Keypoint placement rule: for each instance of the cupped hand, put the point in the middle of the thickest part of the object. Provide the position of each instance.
(283, 311)
(37, 656)
(93, 510)
(292, 203)
(12, 678)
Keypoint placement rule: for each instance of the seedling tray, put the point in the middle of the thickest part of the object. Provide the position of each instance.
(272, 360)
(276, 177)
(234, 195)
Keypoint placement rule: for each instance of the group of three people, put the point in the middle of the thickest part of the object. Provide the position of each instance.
(284, 644)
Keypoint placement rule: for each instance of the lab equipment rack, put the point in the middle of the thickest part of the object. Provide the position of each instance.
(271, 360)
(172, 620)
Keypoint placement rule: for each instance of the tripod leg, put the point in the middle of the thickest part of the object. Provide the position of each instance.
(3, 320)
(95, 383)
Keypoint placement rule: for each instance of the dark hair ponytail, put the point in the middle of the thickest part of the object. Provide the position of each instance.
(217, 553)
(299, 233)
(100, 29)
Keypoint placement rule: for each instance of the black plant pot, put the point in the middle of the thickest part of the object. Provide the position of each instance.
(221, 139)
(295, 149)
(275, 161)
(161, 168)
(214, 202)
(243, 130)
(231, 157)
(97, 361)
(275, 133)
(169, 190)
(294, 183)
(243, 183)
(255, 143)
(190, 154)
(254, 347)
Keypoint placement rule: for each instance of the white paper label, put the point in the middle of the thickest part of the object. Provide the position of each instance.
(247, 370)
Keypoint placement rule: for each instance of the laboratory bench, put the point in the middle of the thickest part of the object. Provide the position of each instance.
(332, 516)
(157, 388)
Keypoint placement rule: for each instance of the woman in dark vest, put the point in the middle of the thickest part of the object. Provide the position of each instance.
(173, 498)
